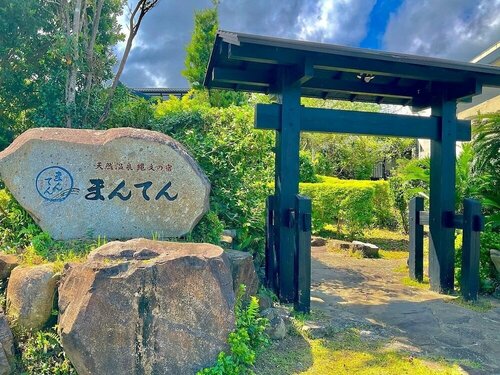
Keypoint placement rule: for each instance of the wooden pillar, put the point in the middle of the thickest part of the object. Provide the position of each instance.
(270, 261)
(287, 186)
(416, 256)
(442, 199)
(303, 209)
(472, 225)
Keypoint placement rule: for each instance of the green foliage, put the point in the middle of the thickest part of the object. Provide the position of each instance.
(237, 159)
(42, 354)
(306, 168)
(209, 229)
(486, 166)
(17, 228)
(352, 204)
(198, 50)
(37, 55)
(351, 156)
(129, 110)
(409, 179)
(244, 342)
(488, 276)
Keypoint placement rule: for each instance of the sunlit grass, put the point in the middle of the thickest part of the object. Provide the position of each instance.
(479, 305)
(345, 353)
(416, 284)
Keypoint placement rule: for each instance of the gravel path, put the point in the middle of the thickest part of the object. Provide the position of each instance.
(415, 319)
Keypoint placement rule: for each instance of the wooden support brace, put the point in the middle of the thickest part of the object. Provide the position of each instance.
(472, 225)
(303, 212)
(416, 256)
(270, 260)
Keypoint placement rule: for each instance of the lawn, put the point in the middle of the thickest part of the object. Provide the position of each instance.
(344, 353)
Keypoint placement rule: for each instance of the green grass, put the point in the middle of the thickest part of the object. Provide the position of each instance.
(421, 285)
(344, 353)
(478, 306)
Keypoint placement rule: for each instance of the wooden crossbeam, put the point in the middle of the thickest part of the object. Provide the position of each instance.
(282, 56)
(361, 88)
(245, 77)
(267, 116)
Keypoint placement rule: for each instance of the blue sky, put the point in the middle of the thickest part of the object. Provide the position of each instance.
(453, 29)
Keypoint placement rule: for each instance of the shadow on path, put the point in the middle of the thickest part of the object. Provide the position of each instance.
(417, 320)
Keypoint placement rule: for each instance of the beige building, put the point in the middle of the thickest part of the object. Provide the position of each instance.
(487, 102)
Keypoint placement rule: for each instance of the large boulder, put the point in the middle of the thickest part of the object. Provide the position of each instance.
(146, 307)
(6, 346)
(118, 183)
(243, 271)
(30, 296)
(7, 263)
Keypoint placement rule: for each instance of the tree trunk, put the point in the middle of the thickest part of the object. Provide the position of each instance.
(77, 22)
(142, 7)
(90, 54)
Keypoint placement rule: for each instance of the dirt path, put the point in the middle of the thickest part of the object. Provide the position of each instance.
(418, 320)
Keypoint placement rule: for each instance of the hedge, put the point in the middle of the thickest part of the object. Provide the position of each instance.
(351, 204)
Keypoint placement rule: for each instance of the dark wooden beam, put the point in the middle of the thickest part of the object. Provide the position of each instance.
(283, 56)
(241, 77)
(287, 185)
(362, 88)
(416, 232)
(267, 116)
(442, 199)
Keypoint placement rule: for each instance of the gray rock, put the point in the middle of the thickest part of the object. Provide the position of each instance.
(367, 250)
(276, 329)
(146, 307)
(243, 271)
(265, 302)
(30, 296)
(230, 233)
(495, 258)
(118, 183)
(318, 241)
(226, 241)
(339, 245)
(7, 263)
(6, 346)
(315, 330)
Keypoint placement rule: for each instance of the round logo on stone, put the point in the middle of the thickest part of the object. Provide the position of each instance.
(54, 184)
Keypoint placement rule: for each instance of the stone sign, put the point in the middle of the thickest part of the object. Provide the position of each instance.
(118, 183)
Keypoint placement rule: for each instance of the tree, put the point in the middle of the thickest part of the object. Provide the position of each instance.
(137, 14)
(55, 56)
(206, 23)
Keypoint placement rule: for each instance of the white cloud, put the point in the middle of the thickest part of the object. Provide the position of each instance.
(337, 21)
(457, 29)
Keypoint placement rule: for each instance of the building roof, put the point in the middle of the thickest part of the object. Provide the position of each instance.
(160, 91)
(254, 63)
(488, 101)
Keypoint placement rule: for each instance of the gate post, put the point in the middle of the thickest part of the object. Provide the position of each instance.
(472, 226)
(416, 256)
(286, 185)
(303, 211)
(270, 254)
(442, 198)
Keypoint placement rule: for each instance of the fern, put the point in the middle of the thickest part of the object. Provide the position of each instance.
(244, 342)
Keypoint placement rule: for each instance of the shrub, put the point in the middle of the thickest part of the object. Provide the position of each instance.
(209, 229)
(355, 203)
(244, 342)
(488, 276)
(306, 168)
(237, 159)
(42, 354)
(17, 228)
